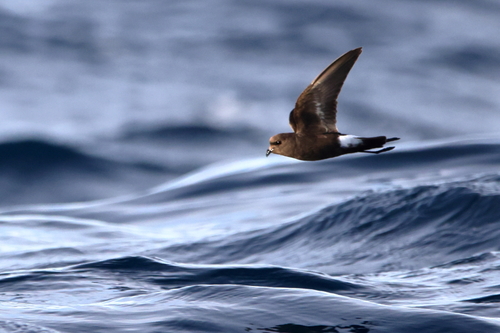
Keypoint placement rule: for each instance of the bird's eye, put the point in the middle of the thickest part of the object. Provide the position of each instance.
(276, 143)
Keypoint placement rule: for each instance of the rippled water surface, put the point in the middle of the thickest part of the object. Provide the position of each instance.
(135, 195)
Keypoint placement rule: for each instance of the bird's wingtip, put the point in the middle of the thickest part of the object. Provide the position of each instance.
(358, 50)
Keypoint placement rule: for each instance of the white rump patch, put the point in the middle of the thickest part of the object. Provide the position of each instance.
(349, 141)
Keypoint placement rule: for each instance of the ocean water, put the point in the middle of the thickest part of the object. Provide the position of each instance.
(135, 195)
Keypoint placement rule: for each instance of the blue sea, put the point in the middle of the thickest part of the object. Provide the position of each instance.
(135, 195)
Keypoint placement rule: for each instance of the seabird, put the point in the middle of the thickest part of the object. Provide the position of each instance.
(314, 120)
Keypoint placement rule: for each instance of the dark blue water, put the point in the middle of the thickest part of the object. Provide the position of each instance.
(135, 195)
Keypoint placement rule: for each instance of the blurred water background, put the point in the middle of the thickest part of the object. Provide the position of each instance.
(135, 195)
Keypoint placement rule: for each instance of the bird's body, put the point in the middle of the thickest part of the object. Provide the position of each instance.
(313, 120)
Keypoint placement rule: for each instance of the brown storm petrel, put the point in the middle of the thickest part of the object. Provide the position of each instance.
(314, 120)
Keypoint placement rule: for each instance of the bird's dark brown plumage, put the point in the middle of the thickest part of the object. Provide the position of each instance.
(314, 120)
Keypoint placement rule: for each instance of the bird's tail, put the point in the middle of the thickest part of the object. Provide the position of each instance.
(374, 142)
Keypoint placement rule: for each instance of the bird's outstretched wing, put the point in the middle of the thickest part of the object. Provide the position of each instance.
(316, 108)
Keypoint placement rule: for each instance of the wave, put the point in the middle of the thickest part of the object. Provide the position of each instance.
(69, 35)
(234, 308)
(177, 297)
(174, 275)
(41, 171)
(399, 229)
(478, 59)
(290, 311)
(10, 326)
(118, 291)
(198, 134)
(32, 156)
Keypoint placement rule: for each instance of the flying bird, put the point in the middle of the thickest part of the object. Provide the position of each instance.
(314, 120)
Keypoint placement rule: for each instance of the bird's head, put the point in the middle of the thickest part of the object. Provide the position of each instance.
(276, 144)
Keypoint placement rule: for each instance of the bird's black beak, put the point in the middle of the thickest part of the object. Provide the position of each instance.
(269, 151)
